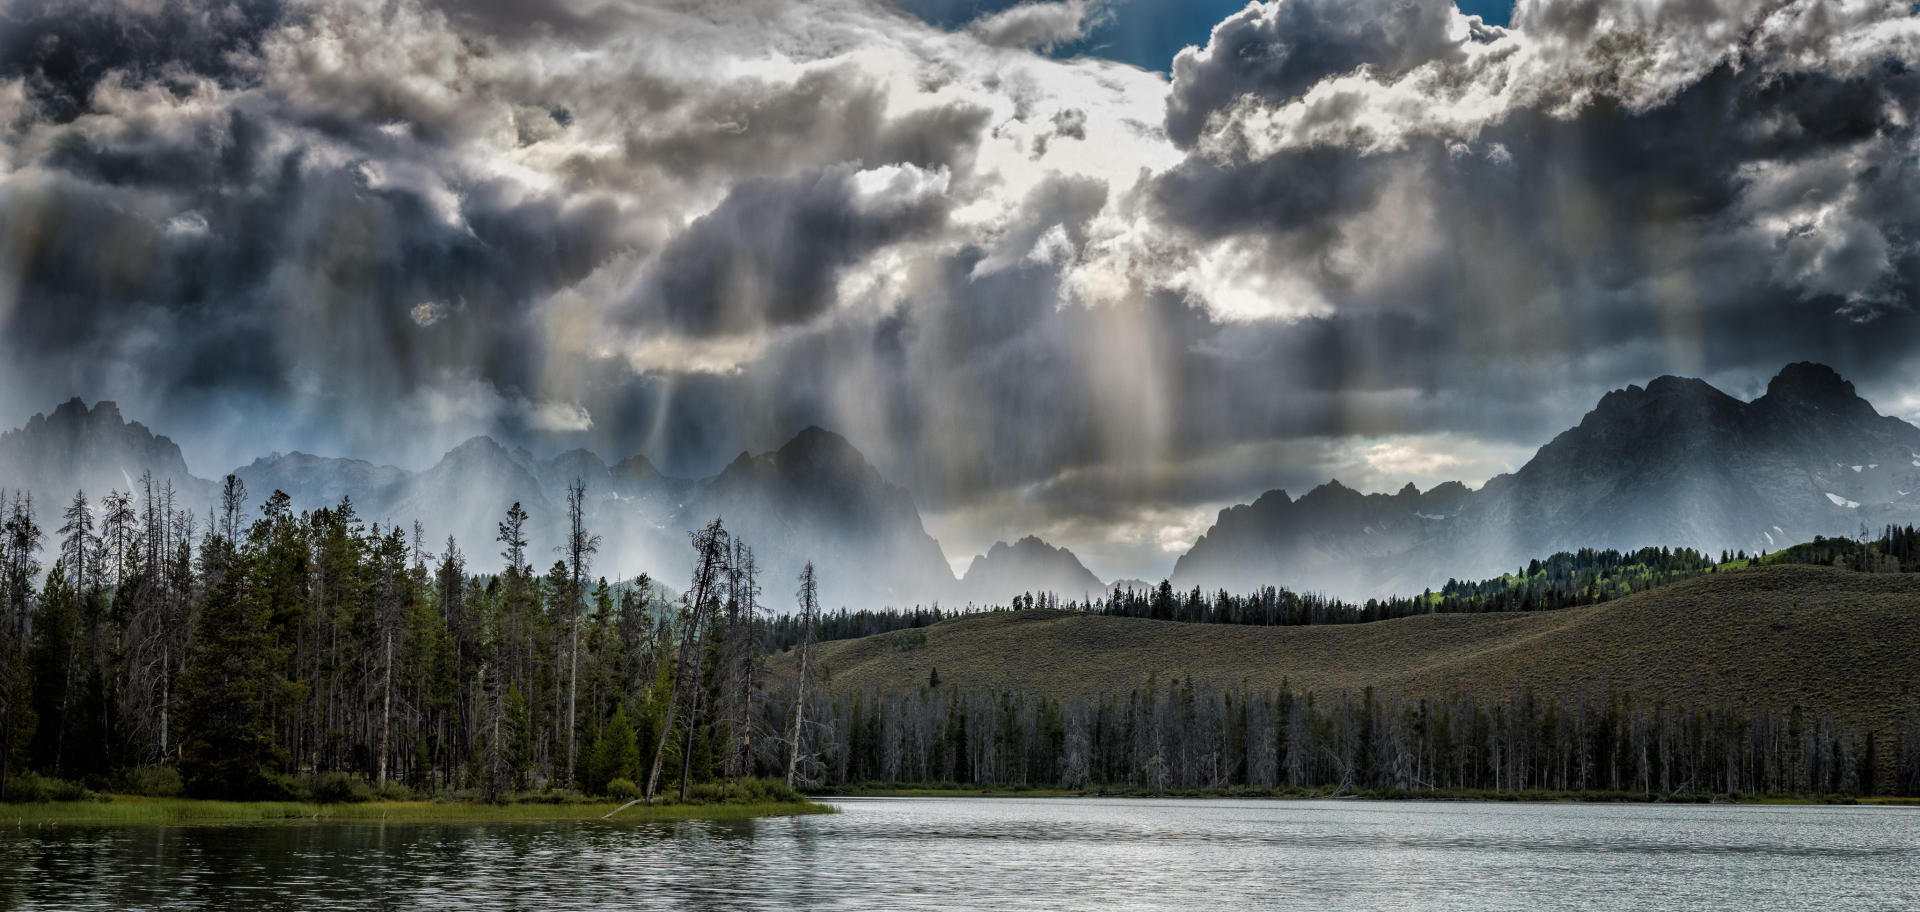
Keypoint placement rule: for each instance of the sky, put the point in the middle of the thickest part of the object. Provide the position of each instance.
(1089, 270)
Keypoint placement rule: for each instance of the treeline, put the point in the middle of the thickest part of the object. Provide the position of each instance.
(1897, 550)
(787, 630)
(1568, 579)
(259, 648)
(1565, 580)
(1182, 736)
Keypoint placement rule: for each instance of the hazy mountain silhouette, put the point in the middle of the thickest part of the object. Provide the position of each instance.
(816, 498)
(1027, 566)
(1676, 463)
(76, 448)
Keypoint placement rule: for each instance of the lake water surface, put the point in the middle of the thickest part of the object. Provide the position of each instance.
(890, 854)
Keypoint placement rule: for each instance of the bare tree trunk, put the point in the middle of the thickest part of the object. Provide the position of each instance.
(666, 732)
(166, 700)
(809, 595)
(693, 715)
(579, 548)
(711, 542)
(386, 705)
(573, 688)
(749, 649)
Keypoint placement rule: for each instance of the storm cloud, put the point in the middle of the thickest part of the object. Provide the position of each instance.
(1373, 238)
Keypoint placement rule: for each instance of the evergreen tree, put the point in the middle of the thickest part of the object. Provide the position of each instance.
(615, 754)
(229, 749)
(54, 661)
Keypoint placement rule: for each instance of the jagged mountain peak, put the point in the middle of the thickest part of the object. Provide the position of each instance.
(1025, 545)
(815, 498)
(818, 448)
(814, 456)
(1330, 489)
(1816, 392)
(95, 449)
(1676, 462)
(479, 446)
(1663, 398)
(1810, 381)
(635, 468)
(1030, 564)
(1273, 499)
(73, 416)
(577, 463)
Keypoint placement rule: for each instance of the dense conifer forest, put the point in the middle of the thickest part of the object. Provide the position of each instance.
(257, 652)
(1171, 735)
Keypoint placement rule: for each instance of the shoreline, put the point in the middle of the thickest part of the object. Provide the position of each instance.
(137, 810)
(1476, 797)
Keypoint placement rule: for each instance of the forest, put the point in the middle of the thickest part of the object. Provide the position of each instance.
(1172, 736)
(256, 652)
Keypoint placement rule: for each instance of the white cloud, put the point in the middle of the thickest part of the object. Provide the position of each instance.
(1041, 25)
(558, 417)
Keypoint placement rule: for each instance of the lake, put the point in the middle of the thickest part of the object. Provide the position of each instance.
(1008, 854)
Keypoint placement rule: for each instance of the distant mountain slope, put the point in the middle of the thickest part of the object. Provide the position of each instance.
(76, 448)
(1027, 566)
(816, 498)
(1676, 463)
(1824, 639)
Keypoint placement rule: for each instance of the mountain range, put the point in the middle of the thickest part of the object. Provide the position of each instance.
(816, 498)
(1676, 463)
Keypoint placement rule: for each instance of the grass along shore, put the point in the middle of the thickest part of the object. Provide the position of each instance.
(954, 790)
(337, 797)
(135, 809)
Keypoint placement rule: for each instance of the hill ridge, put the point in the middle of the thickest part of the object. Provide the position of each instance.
(1758, 638)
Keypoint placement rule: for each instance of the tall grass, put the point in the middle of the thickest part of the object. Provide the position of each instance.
(729, 801)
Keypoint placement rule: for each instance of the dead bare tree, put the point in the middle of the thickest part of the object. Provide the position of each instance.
(580, 548)
(711, 544)
(740, 653)
(809, 596)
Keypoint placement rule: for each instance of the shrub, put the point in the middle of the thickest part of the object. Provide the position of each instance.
(393, 790)
(743, 791)
(153, 782)
(337, 788)
(62, 790)
(622, 790)
(549, 796)
(32, 788)
(278, 787)
(26, 788)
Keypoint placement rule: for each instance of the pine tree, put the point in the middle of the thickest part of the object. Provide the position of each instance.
(615, 754)
(229, 749)
(56, 643)
(517, 738)
(79, 547)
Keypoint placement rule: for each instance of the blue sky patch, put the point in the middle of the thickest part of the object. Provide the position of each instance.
(1145, 33)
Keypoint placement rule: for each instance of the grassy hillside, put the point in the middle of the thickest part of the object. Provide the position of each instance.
(1772, 637)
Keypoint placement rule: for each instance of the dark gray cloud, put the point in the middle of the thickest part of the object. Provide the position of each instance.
(62, 49)
(1747, 214)
(1047, 295)
(771, 253)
